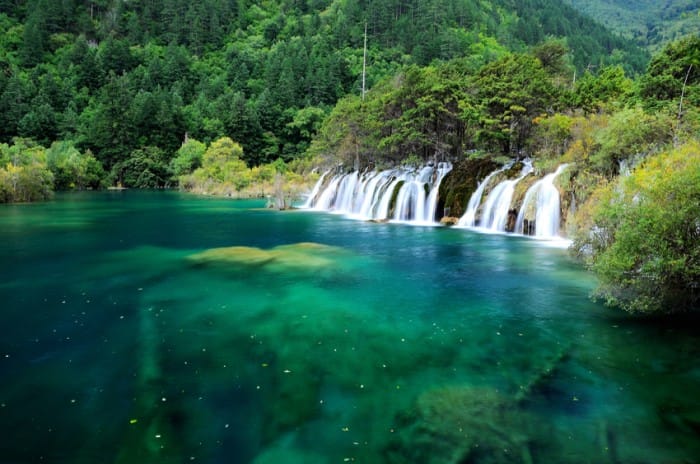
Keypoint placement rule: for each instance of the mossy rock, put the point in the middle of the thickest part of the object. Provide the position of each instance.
(461, 424)
(459, 184)
(291, 400)
(298, 256)
(394, 196)
(519, 193)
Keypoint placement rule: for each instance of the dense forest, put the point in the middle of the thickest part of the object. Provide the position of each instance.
(240, 98)
(126, 83)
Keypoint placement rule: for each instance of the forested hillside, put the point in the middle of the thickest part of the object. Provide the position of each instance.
(651, 23)
(124, 83)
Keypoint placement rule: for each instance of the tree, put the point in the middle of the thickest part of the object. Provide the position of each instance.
(24, 175)
(72, 169)
(146, 167)
(188, 158)
(593, 92)
(675, 67)
(221, 154)
(107, 125)
(510, 93)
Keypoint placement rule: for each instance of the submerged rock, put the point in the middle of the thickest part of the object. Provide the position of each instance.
(298, 256)
(461, 424)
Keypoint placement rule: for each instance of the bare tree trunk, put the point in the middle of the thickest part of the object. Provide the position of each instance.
(680, 107)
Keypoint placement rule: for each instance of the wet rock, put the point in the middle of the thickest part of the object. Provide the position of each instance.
(449, 221)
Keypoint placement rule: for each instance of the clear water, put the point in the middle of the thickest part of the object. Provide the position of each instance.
(125, 340)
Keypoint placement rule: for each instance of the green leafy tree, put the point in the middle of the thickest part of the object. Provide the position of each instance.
(107, 126)
(146, 167)
(24, 175)
(672, 72)
(221, 155)
(630, 133)
(188, 158)
(72, 169)
(511, 92)
(593, 92)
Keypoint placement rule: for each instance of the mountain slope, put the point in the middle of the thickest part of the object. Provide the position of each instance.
(650, 23)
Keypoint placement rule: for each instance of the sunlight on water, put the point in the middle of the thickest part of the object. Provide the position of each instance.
(156, 327)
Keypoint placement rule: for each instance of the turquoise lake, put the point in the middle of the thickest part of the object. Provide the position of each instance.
(158, 327)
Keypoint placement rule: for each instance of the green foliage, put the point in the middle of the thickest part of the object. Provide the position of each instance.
(72, 169)
(223, 172)
(551, 135)
(673, 72)
(121, 76)
(145, 168)
(630, 133)
(221, 164)
(24, 175)
(644, 240)
(649, 22)
(188, 157)
(594, 92)
(510, 93)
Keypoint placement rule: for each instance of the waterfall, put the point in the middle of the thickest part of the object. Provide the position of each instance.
(347, 191)
(315, 190)
(372, 195)
(369, 195)
(327, 197)
(443, 170)
(497, 205)
(469, 217)
(542, 199)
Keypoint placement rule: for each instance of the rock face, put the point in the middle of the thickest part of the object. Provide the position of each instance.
(459, 184)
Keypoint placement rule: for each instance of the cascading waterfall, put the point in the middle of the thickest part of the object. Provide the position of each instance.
(327, 197)
(443, 170)
(410, 195)
(469, 217)
(540, 215)
(315, 190)
(497, 206)
(369, 195)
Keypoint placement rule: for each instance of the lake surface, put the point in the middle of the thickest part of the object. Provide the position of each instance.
(144, 327)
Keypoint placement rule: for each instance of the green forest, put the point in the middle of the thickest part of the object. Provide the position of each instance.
(126, 83)
(245, 98)
(651, 23)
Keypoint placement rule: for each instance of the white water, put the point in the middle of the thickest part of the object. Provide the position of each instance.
(315, 190)
(469, 217)
(497, 206)
(368, 196)
(542, 199)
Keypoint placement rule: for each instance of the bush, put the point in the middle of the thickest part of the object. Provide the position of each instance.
(644, 236)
